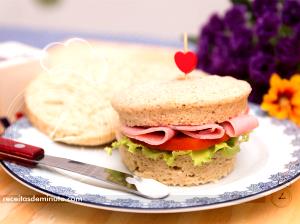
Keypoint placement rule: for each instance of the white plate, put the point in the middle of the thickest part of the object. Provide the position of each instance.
(267, 163)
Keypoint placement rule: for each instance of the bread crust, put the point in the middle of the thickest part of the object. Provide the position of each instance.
(62, 136)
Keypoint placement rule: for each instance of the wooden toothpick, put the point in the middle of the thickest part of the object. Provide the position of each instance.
(185, 45)
(185, 42)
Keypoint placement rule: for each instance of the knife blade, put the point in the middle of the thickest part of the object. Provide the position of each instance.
(28, 155)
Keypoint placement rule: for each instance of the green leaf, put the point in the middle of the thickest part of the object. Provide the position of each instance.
(244, 138)
(273, 41)
(285, 31)
(192, 39)
(152, 154)
(201, 156)
(108, 150)
(247, 3)
(228, 148)
(230, 151)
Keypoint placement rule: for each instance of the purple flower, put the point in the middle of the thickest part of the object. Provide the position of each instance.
(241, 42)
(235, 17)
(222, 40)
(204, 44)
(267, 26)
(238, 67)
(203, 53)
(291, 12)
(218, 62)
(204, 63)
(296, 30)
(214, 25)
(209, 32)
(207, 41)
(220, 54)
(260, 7)
(261, 67)
(257, 92)
(288, 50)
(225, 63)
(265, 47)
(286, 70)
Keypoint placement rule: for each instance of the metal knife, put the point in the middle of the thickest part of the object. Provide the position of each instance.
(28, 155)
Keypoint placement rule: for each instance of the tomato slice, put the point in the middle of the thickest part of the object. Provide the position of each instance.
(183, 142)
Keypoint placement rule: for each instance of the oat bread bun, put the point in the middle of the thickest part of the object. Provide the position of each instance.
(70, 111)
(196, 100)
(182, 173)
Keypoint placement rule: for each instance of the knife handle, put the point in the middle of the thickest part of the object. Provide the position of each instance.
(16, 151)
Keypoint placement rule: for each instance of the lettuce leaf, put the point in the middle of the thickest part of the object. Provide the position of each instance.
(228, 149)
(202, 156)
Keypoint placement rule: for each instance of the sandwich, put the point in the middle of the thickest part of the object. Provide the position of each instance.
(183, 132)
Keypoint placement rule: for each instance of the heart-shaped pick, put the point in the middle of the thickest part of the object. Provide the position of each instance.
(186, 62)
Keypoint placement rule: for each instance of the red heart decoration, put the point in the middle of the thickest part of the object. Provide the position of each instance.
(186, 62)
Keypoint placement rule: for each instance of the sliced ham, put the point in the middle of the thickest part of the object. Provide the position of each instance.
(151, 136)
(159, 135)
(207, 131)
(240, 125)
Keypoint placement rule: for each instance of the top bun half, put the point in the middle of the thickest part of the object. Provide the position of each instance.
(196, 100)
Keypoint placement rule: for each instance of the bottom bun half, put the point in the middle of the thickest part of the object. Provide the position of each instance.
(182, 172)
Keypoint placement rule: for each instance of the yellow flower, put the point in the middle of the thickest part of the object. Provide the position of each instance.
(283, 98)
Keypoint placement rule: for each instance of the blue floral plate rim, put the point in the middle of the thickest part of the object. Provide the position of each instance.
(276, 182)
(152, 210)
